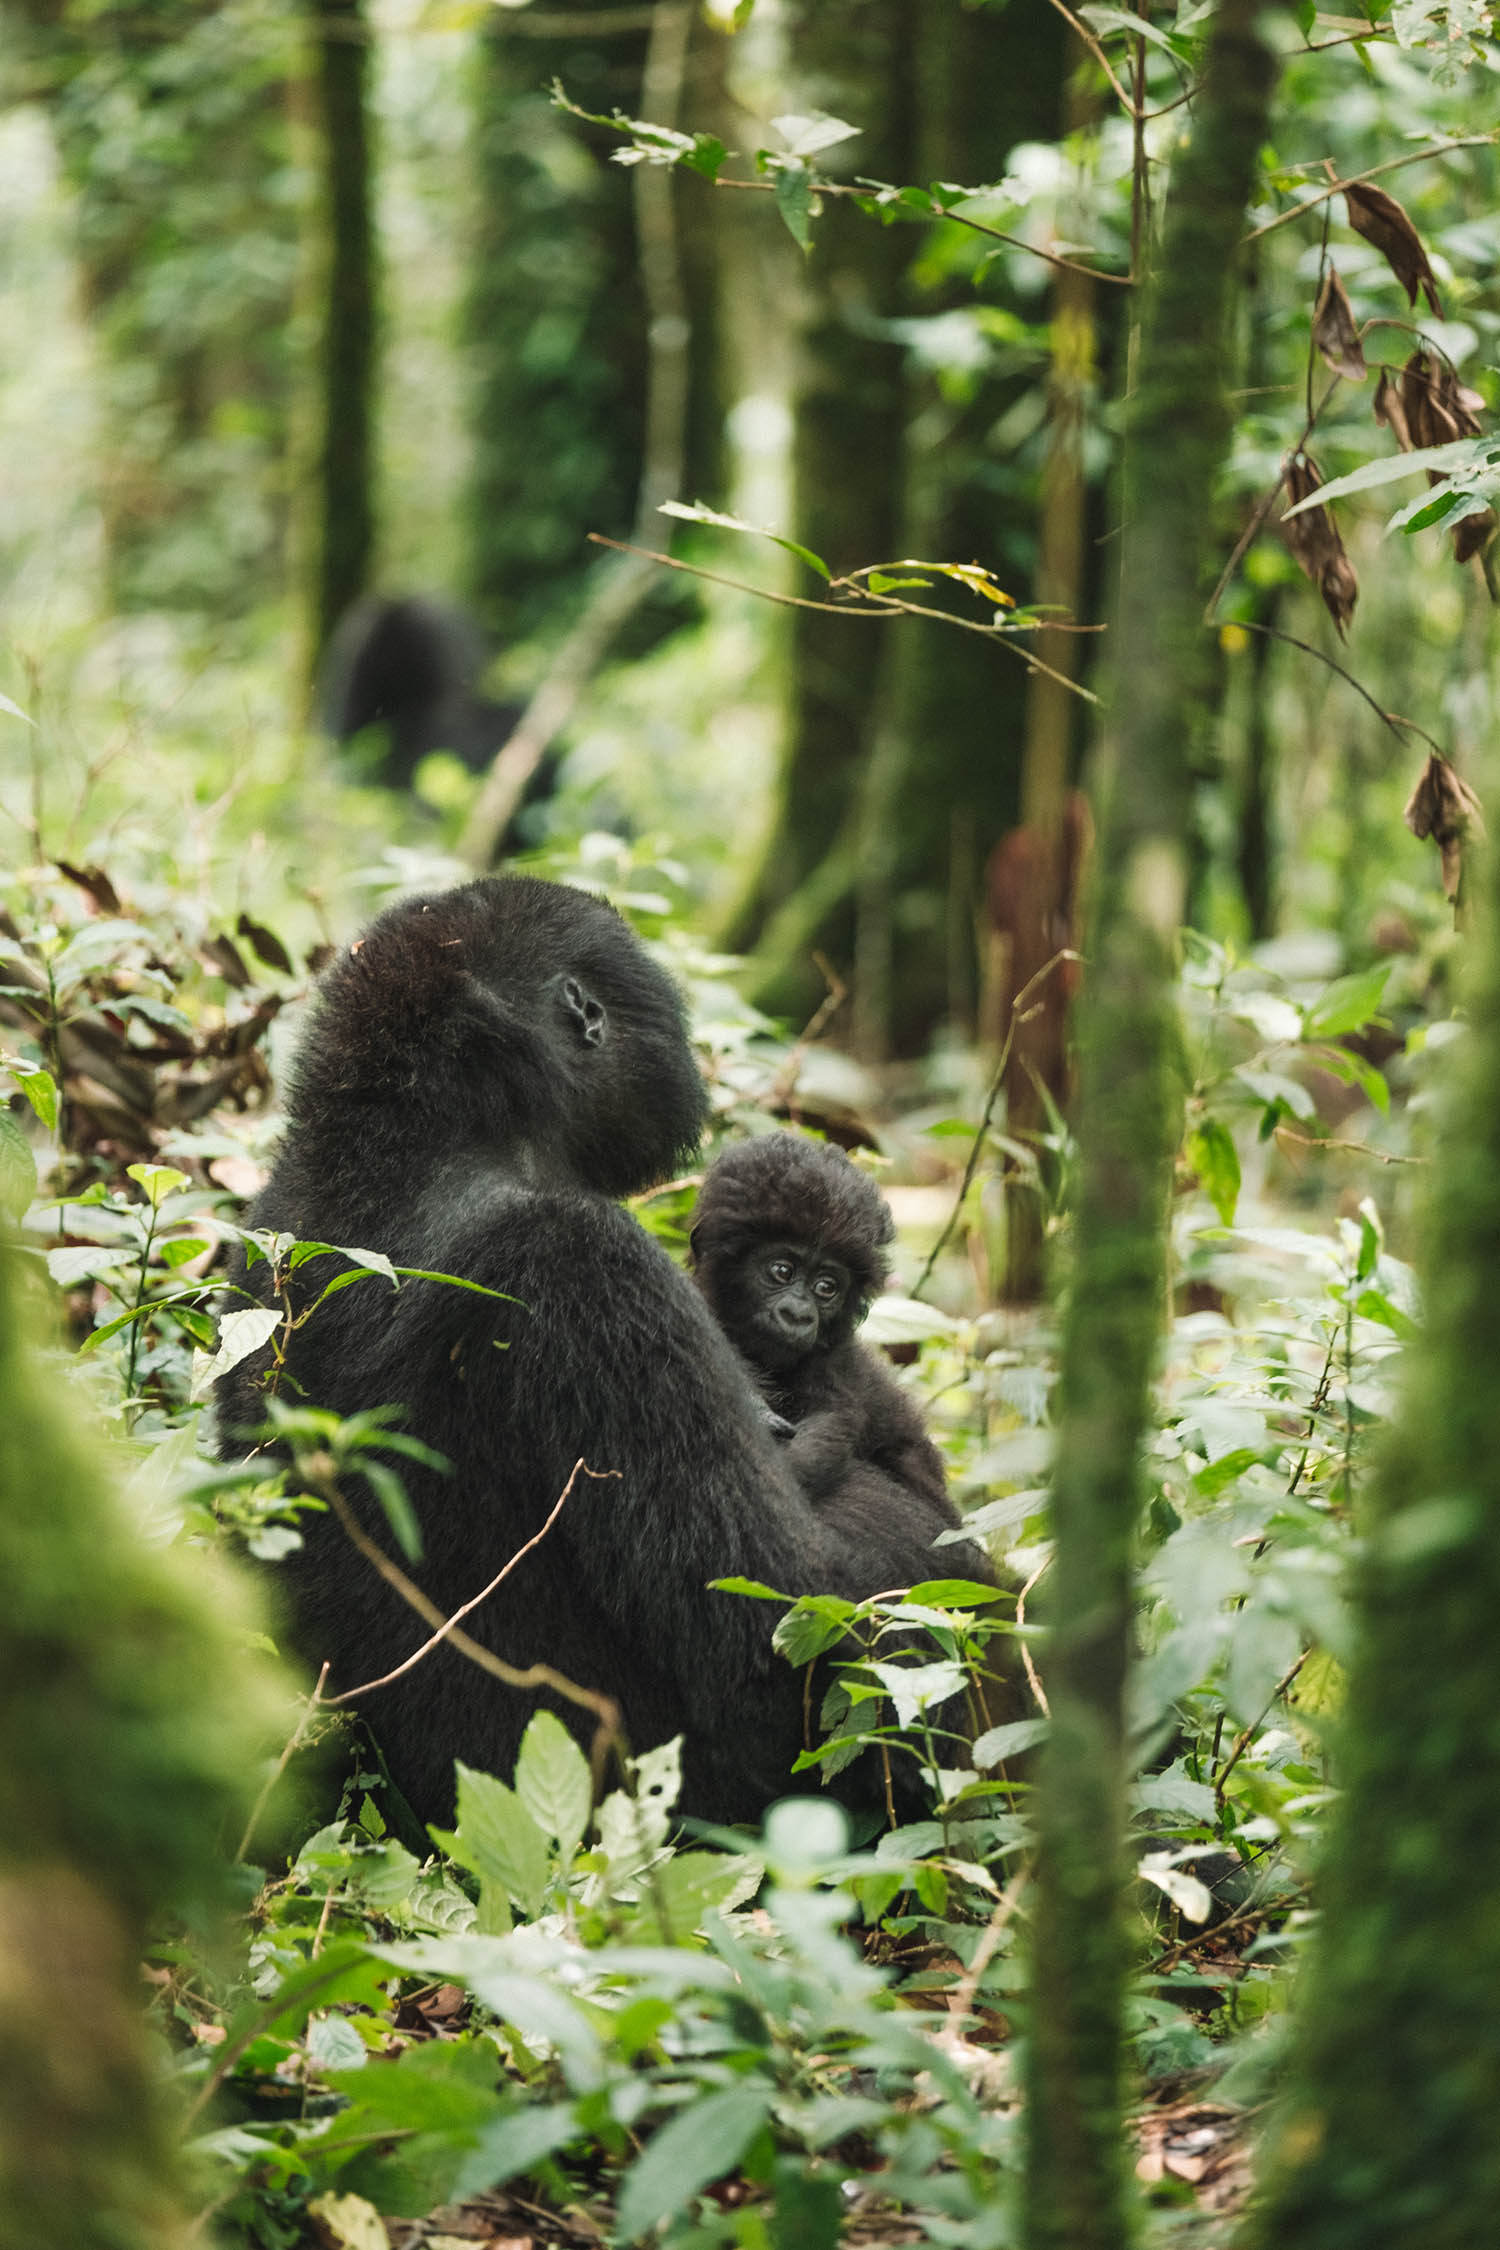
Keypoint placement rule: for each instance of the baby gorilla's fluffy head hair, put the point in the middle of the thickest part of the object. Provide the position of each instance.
(782, 1188)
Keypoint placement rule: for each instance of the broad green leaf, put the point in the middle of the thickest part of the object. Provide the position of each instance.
(17, 1168)
(953, 1593)
(804, 1634)
(1460, 454)
(1373, 1304)
(515, 2143)
(695, 2148)
(240, 1334)
(1000, 1743)
(40, 1088)
(754, 1588)
(499, 1841)
(1347, 1005)
(1216, 1161)
(794, 200)
(805, 136)
(1113, 22)
(182, 1249)
(906, 1320)
(158, 1181)
(82, 1263)
(553, 1782)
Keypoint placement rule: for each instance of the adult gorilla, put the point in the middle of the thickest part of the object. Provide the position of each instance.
(481, 1072)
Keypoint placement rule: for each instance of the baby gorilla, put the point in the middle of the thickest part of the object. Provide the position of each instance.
(788, 1247)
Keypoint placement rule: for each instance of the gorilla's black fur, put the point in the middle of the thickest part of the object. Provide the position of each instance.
(858, 1447)
(480, 1073)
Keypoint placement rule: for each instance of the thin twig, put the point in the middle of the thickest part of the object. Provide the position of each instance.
(1031, 1671)
(1392, 719)
(784, 1087)
(984, 1952)
(972, 1166)
(281, 1765)
(1392, 164)
(1082, 32)
(1174, 1954)
(876, 606)
(1244, 1741)
(1354, 1148)
(610, 1732)
(352, 1695)
(1268, 501)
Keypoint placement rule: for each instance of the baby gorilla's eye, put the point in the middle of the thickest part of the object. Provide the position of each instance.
(780, 1270)
(826, 1286)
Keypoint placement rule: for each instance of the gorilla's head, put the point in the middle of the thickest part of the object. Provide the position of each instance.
(516, 1014)
(788, 1245)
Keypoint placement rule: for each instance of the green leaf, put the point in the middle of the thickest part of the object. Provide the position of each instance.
(1353, 1070)
(752, 1587)
(396, 1508)
(696, 512)
(553, 1782)
(40, 1088)
(515, 2143)
(1373, 1304)
(793, 187)
(805, 1633)
(1113, 22)
(158, 1180)
(85, 1263)
(17, 1168)
(182, 1249)
(1000, 1743)
(706, 155)
(1347, 1005)
(698, 2146)
(953, 1593)
(805, 136)
(499, 1841)
(1216, 1161)
(1461, 454)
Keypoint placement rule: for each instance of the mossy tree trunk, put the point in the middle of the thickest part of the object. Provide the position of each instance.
(344, 479)
(1389, 2137)
(555, 320)
(1129, 1118)
(132, 1723)
(901, 765)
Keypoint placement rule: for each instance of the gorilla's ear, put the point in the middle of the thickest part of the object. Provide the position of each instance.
(695, 1248)
(585, 1014)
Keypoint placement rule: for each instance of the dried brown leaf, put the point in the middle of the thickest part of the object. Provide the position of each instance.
(1428, 416)
(1473, 534)
(1315, 545)
(1389, 412)
(1444, 807)
(1381, 220)
(1335, 330)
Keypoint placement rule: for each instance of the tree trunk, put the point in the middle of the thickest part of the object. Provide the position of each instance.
(901, 767)
(555, 323)
(1387, 2139)
(344, 487)
(131, 1726)
(1129, 1120)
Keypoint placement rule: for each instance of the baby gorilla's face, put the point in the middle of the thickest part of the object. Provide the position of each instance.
(791, 1302)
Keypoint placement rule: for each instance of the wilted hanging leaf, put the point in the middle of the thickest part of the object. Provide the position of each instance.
(1473, 534)
(265, 943)
(1314, 542)
(1389, 412)
(1444, 807)
(1381, 220)
(1336, 332)
(1435, 409)
(1432, 402)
